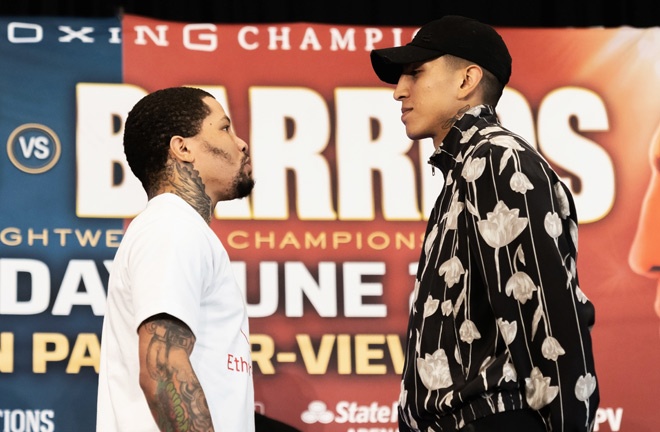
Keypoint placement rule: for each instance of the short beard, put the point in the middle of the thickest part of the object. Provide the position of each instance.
(243, 185)
(243, 182)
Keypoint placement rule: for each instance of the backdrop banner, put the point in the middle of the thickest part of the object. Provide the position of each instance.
(53, 262)
(327, 245)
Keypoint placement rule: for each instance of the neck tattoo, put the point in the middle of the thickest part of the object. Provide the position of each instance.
(191, 188)
(450, 122)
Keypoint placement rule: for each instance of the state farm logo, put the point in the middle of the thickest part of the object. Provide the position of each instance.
(317, 412)
(33, 148)
(350, 412)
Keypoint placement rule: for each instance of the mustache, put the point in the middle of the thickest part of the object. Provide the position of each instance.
(245, 161)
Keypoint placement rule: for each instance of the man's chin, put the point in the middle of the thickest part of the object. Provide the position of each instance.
(415, 137)
(244, 187)
(416, 134)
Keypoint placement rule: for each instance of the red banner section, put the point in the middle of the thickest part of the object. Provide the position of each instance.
(326, 245)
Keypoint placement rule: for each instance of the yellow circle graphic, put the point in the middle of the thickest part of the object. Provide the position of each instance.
(30, 141)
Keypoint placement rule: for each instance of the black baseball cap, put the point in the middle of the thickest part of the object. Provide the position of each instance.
(459, 36)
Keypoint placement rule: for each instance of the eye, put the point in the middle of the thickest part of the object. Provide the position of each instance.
(414, 70)
(411, 69)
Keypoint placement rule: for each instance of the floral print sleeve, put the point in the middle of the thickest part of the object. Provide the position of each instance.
(498, 321)
(525, 237)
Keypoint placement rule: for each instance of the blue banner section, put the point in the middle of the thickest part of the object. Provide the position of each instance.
(52, 263)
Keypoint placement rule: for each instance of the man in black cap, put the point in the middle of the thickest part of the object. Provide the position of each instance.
(499, 329)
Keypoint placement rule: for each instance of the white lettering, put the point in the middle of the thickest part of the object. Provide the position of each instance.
(160, 39)
(100, 154)
(279, 36)
(322, 294)
(37, 145)
(396, 35)
(289, 138)
(72, 34)
(77, 272)
(319, 286)
(351, 412)
(370, 138)
(310, 39)
(283, 38)
(242, 40)
(355, 289)
(611, 416)
(290, 127)
(210, 39)
(115, 35)
(373, 36)
(337, 42)
(10, 269)
(14, 27)
(560, 144)
(614, 418)
(48, 425)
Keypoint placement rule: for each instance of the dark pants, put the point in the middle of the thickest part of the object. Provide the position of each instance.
(510, 421)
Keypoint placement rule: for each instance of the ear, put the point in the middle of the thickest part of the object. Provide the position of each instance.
(471, 78)
(180, 149)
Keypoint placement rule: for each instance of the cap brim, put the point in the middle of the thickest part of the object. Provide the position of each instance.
(388, 63)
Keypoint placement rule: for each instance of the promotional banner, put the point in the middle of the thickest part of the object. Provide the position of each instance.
(326, 246)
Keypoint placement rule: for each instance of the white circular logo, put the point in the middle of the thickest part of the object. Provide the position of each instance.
(33, 148)
(317, 412)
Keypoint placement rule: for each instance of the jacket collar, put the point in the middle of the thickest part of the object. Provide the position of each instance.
(445, 155)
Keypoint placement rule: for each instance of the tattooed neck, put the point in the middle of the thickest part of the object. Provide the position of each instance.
(190, 187)
(450, 122)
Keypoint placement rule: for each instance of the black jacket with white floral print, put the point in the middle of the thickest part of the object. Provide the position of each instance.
(498, 320)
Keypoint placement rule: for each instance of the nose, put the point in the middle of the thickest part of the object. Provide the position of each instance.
(401, 90)
(242, 145)
(644, 257)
